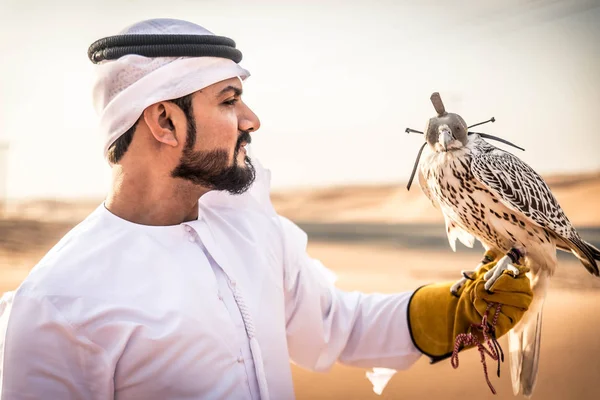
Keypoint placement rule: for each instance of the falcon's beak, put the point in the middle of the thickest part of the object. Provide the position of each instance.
(445, 138)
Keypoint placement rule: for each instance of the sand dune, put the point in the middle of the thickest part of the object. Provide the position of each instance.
(578, 194)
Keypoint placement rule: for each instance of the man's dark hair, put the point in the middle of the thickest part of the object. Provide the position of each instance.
(117, 150)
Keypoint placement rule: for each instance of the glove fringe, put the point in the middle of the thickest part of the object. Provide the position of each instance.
(469, 339)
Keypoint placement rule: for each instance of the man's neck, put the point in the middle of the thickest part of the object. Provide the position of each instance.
(151, 200)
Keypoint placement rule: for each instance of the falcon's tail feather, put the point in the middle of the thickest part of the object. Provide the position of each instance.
(587, 254)
(524, 342)
(595, 251)
(525, 355)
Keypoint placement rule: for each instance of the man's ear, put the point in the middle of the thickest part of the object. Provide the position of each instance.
(159, 119)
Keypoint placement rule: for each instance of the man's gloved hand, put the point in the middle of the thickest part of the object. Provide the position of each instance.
(436, 316)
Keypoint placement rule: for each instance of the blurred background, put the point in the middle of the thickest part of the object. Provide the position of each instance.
(335, 84)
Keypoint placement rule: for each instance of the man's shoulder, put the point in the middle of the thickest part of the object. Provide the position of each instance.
(75, 257)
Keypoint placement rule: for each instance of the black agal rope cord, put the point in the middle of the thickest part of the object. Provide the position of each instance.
(484, 135)
(113, 47)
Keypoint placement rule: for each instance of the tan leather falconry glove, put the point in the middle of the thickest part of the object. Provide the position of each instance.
(437, 318)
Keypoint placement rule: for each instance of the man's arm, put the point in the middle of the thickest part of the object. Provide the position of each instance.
(42, 356)
(326, 325)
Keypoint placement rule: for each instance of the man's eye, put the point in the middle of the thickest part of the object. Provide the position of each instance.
(231, 102)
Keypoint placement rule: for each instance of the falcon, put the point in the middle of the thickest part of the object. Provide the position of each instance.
(489, 194)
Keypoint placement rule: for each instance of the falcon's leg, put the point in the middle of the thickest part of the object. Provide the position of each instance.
(504, 264)
(468, 275)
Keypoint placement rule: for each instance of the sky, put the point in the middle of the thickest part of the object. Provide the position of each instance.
(334, 83)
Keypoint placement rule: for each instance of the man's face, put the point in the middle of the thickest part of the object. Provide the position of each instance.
(214, 155)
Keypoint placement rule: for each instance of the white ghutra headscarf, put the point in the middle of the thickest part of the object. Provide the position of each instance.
(124, 87)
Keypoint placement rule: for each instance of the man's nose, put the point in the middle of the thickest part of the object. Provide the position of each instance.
(249, 121)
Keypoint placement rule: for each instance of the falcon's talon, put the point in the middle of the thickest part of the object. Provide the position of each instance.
(486, 260)
(457, 286)
(468, 275)
(513, 271)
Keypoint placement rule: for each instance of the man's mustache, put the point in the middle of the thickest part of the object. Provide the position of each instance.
(243, 138)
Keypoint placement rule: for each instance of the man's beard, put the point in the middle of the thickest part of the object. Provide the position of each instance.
(210, 168)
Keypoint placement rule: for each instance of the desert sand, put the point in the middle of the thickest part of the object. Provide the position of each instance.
(569, 366)
(385, 239)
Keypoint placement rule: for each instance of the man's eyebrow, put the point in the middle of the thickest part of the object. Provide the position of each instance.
(236, 91)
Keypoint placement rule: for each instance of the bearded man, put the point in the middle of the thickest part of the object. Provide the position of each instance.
(185, 283)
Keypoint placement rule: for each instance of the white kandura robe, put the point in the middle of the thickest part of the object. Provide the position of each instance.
(209, 309)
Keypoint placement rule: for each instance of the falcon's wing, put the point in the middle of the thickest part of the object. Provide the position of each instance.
(520, 188)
